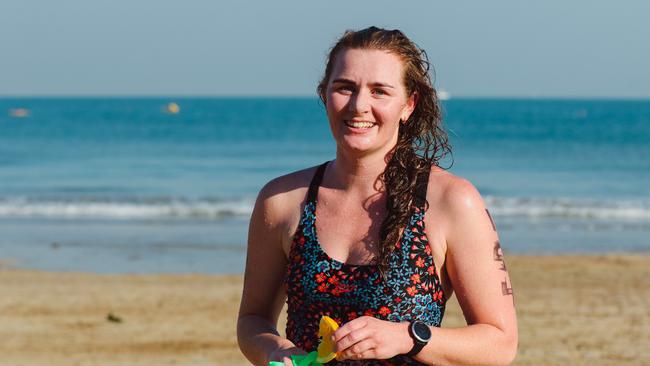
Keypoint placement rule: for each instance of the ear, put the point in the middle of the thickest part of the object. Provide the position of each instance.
(409, 107)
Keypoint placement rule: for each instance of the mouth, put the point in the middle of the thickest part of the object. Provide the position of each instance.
(359, 124)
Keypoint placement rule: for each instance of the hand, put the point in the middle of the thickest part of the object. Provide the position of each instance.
(367, 337)
(284, 354)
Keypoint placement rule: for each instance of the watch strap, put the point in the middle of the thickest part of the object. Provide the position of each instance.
(417, 344)
(417, 347)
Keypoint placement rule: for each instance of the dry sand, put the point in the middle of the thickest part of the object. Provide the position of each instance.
(573, 310)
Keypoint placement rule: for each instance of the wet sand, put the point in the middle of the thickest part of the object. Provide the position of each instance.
(573, 310)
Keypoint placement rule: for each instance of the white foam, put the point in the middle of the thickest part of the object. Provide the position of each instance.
(214, 209)
(526, 207)
(122, 209)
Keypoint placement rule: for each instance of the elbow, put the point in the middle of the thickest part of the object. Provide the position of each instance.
(503, 348)
(241, 339)
(244, 334)
(509, 350)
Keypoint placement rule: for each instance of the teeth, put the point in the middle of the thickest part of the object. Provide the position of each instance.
(359, 124)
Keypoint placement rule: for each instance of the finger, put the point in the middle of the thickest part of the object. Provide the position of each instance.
(353, 338)
(360, 350)
(348, 327)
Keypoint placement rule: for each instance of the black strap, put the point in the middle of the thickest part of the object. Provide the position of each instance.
(421, 186)
(417, 347)
(418, 341)
(315, 182)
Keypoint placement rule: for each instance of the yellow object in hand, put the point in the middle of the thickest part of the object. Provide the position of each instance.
(326, 347)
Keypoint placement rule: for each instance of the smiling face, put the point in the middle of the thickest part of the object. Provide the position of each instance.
(365, 100)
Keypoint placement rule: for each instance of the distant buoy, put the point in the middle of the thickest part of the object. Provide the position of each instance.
(443, 94)
(19, 112)
(173, 108)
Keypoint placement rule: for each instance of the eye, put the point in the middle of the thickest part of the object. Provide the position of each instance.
(379, 91)
(346, 88)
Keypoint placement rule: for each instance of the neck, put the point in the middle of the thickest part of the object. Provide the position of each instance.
(359, 174)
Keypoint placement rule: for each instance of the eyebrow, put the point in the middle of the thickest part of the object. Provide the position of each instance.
(348, 81)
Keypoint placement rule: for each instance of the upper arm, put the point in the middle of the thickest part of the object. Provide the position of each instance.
(264, 293)
(475, 262)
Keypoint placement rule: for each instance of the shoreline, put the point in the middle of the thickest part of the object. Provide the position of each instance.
(572, 309)
(235, 268)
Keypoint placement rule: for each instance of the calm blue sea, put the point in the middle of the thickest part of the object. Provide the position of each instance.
(121, 185)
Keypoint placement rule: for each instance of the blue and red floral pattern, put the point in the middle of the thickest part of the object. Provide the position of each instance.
(319, 285)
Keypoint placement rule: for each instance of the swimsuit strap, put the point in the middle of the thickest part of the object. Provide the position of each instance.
(421, 188)
(315, 182)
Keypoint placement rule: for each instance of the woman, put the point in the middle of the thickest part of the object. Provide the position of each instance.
(368, 261)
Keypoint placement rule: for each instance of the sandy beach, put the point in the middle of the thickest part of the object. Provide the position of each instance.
(573, 310)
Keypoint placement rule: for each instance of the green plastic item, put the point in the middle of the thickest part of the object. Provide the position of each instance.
(301, 360)
(306, 360)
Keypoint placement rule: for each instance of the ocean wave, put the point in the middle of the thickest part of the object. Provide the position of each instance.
(144, 208)
(153, 208)
(570, 208)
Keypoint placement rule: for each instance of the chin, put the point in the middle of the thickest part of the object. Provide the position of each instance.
(358, 150)
(356, 144)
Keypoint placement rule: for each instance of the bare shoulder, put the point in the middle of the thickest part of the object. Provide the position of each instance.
(287, 190)
(467, 225)
(455, 194)
(279, 203)
(458, 205)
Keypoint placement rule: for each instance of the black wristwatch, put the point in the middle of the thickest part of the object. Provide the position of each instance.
(421, 335)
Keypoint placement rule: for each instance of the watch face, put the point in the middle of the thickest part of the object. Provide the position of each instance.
(421, 331)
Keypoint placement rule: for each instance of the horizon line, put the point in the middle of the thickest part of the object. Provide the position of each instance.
(298, 96)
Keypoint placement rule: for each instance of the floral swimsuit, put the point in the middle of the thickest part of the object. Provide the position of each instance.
(318, 285)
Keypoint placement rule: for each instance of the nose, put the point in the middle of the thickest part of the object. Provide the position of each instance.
(360, 102)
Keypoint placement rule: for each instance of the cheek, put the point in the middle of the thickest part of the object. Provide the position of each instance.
(336, 103)
(389, 112)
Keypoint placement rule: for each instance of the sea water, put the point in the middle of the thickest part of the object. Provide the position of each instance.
(116, 185)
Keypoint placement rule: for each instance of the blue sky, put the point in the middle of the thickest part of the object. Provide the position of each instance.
(489, 49)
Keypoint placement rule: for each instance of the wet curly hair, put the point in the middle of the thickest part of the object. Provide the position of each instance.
(422, 141)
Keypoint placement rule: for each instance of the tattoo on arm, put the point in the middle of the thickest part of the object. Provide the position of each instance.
(504, 287)
(507, 290)
(498, 256)
(491, 221)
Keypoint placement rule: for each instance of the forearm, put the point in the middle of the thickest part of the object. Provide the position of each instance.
(478, 344)
(258, 338)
